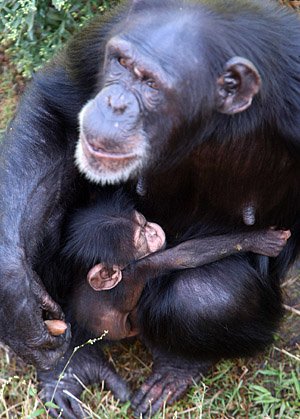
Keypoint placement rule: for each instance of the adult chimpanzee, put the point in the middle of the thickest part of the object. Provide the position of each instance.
(197, 105)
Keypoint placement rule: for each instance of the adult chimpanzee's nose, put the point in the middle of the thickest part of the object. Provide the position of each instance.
(117, 103)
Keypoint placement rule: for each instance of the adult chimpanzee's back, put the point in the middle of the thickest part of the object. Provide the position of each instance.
(196, 105)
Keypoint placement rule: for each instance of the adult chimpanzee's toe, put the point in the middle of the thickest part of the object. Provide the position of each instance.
(157, 389)
(115, 383)
(167, 384)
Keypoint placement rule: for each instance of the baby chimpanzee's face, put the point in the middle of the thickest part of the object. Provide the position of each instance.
(148, 237)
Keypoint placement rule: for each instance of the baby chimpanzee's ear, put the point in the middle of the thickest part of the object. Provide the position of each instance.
(102, 278)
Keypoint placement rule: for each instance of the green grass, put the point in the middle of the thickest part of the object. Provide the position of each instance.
(265, 387)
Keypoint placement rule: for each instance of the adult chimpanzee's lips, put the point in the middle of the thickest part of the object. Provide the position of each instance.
(99, 152)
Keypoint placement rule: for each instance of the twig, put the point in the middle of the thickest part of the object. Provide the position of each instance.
(7, 409)
(137, 358)
(283, 351)
(292, 309)
(192, 409)
(61, 375)
(83, 405)
(290, 281)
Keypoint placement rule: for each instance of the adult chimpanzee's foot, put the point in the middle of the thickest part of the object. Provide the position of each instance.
(170, 379)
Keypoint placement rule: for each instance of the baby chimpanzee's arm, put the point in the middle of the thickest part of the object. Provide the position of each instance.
(197, 252)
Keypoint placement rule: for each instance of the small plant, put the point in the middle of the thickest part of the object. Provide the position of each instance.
(32, 30)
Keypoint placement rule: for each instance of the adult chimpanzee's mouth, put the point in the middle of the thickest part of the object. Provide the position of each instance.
(98, 151)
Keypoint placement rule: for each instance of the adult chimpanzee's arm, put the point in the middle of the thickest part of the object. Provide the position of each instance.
(36, 171)
(200, 251)
(37, 174)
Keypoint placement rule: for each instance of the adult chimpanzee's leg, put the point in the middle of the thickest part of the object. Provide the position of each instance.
(198, 316)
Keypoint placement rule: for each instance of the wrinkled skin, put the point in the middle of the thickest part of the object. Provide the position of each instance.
(206, 123)
(170, 379)
(36, 345)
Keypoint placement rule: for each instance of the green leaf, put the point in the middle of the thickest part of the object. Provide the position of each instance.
(32, 392)
(37, 413)
(52, 405)
(260, 389)
(296, 384)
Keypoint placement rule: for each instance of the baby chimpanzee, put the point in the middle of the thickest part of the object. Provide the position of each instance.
(103, 238)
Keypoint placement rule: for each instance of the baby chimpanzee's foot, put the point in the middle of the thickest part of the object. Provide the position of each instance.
(170, 379)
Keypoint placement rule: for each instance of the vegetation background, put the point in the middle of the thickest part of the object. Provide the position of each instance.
(265, 387)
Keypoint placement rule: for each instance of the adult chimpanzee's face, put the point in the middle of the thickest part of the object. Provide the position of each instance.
(134, 111)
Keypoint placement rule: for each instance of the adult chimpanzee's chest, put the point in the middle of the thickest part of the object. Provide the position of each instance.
(217, 182)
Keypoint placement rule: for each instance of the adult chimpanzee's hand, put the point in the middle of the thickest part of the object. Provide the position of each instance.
(87, 366)
(24, 303)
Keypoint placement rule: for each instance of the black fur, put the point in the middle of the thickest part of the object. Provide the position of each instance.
(102, 232)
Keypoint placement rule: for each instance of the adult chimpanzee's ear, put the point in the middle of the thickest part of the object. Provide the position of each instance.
(102, 278)
(237, 86)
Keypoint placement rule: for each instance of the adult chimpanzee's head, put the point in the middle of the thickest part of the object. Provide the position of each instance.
(163, 74)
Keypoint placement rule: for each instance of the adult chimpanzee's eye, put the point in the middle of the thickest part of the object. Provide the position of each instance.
(152, 84)
(122, 61)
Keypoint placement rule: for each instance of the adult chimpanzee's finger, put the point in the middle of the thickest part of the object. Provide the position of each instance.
(67, 405)
(70, 407)
(156, 392)
(143, 397)
(44, 352)
(48, 305)
(115, 383)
